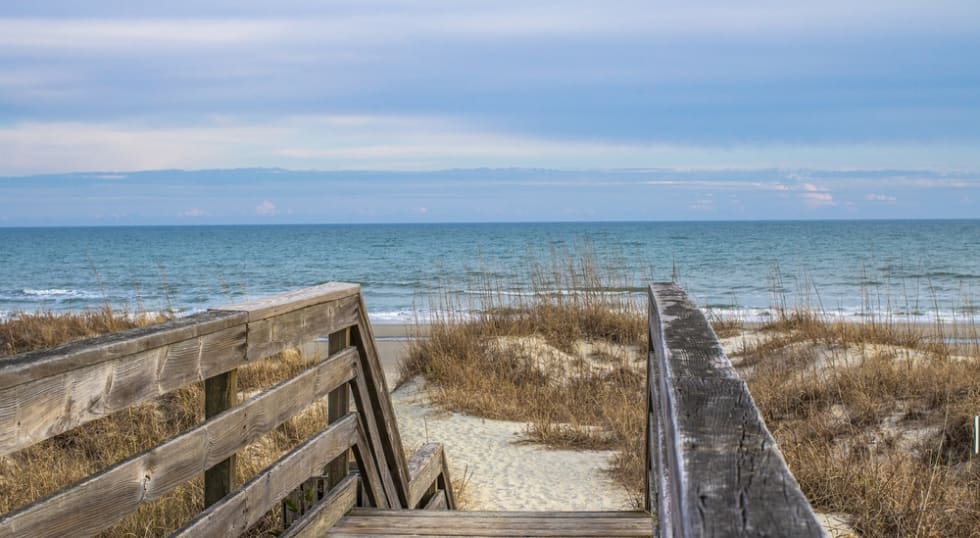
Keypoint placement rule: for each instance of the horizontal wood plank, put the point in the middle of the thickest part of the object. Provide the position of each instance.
(234, 514)
(50, 362)
(503, 514)
(83, 509)
(37, 410)
(283, 303)
(271, 335)
(362, 522)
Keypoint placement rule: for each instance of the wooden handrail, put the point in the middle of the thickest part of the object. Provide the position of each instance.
(47, 392)
(713, 467)
(430, 478)
(52, 391)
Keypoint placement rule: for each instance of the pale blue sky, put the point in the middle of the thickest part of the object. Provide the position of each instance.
(772, 93)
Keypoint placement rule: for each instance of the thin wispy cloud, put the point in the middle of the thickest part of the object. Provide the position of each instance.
(266, 209)
(466, 195)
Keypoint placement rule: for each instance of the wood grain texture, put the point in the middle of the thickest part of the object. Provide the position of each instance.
(502, 514)
(340, 500)
(234, 514)
(361, 522)
(102, 499)
(380, 402)
(722, 473)
(33, 411)
(424, 467)
(292, 328)
(283, 303)
(51, 362)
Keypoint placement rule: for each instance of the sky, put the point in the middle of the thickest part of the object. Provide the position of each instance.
(470, 110)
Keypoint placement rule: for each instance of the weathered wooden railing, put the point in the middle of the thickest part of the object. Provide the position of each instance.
(45, 393)
(712, 466)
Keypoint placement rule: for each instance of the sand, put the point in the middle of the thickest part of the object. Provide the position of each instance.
(499, 469)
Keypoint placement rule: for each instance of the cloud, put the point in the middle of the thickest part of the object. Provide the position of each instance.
(257, 195)
(266, 209)
(419, 142)
(406, 21)
(879, 197)
(815, 196)
(193, 213)
(130, 35)
(437, 83)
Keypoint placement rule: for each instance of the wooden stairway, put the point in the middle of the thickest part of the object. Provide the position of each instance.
(385, 523)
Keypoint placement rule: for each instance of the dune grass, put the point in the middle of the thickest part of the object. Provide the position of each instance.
(874, 419)
(39, 330)
(566, 355)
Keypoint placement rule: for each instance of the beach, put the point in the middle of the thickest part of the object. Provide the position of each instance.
(501, 470)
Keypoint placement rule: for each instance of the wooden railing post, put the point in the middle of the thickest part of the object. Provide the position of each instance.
(338, 405)
(220, 394)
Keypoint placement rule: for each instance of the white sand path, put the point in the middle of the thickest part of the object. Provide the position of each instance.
(502, 472)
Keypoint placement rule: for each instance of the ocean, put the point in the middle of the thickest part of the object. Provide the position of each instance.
(919, 270)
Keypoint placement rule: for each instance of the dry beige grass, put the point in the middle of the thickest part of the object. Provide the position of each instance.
(565, 356)
(48, 466)
(874, 420)
(39, 330)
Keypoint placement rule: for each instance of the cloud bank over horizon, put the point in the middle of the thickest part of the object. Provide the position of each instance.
(278, 196)
(437, 84)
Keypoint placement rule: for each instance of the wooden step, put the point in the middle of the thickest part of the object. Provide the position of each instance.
(382, 523)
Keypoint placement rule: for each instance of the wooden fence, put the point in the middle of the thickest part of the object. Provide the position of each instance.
(49, 392)
(713, 469)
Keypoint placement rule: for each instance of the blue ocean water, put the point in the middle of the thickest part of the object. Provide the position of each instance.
(851, 268)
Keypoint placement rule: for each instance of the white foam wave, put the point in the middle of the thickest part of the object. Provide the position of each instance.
(52, 291)
(397, 316)
(763, 315)
(59, 293)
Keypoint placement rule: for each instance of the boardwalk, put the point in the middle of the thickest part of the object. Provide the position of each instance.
(713, 468)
